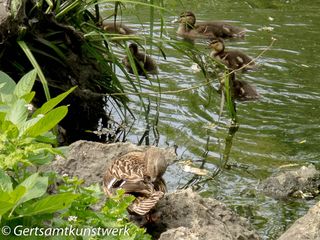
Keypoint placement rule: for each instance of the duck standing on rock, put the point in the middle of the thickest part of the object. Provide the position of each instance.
(232, 59)
(139, 174)
(189, 29)
(144, 63)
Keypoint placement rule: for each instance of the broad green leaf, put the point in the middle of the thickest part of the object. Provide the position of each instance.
(46, 123)
(18, 113)
(5, 207)
(10, 129)
(35, 186)
(49, 204)
(5, 182)
(28, 124)
(24, 86)
(7, 86)
(9, 200)
(28, 97)
(48, 106)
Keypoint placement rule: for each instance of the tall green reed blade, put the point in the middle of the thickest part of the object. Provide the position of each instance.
(35, 64)
(230, 101)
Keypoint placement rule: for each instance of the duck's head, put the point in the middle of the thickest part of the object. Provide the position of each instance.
(187, 18)
(133, 47)
(217, 45)
(157, 161)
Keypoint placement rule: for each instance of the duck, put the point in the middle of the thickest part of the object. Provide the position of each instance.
(189, 29)
(144, 63)
(117, 28)
(139, 173)
(241, 90)
(234, 60)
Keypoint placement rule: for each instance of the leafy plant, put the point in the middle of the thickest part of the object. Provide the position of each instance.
(26, 143)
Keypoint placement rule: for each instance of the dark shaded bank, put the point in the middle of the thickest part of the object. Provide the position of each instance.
(66, 58)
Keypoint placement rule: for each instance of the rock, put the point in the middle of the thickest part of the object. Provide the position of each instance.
(184, 214)
(306, 227)
(303, 183)
(188, 216)
(89, 160)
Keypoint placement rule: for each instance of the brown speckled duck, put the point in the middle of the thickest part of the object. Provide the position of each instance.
(189, 29)
(139, 173)
(117, 28)
(232, 59)
(144, 63)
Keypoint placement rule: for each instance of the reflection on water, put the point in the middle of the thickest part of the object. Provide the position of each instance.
(281, 128)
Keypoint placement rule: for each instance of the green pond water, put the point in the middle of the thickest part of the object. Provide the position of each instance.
(281, 128)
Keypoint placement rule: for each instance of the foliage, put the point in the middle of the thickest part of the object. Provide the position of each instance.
(26, 143)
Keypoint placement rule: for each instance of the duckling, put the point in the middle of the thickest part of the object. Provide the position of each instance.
(242, 90)
(189, 29)
(143, 62)
(117, 28)
(232, 59)
(139, 174)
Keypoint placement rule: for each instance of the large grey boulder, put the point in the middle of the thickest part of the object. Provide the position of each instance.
(184, 214)
(89, 160)
(188, 216)
(306, 227)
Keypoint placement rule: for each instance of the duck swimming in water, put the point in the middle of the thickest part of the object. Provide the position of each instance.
(144, 63)
(139, 173)
(188, 28)
(232, 59)
(242, 90)
(117, 28)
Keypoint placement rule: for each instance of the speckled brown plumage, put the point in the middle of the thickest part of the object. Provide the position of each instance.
(144, 63)
(188, 28)
(117, 28)
(139, 174)
(232, 59)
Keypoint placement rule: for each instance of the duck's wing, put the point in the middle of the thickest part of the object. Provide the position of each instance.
(220, 29)
(142, 205)
(128, 168)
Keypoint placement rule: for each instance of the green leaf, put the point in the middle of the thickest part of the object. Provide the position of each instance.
(24, 86)
(49, 204)
(4, 205)
(10, 129)
(7, 86)
(28, 97)
(18, 113)
(5, 182)
(35, 187)
(48, 106)
(47, 122)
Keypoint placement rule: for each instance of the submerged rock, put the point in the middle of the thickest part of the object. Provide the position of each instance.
(306, 227)
(301, 183)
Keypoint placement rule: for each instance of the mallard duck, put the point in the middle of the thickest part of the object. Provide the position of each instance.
(117, 28)
(232, 59)
(140, 174)
(242, 90)
(189, 29)
(144, 63)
